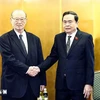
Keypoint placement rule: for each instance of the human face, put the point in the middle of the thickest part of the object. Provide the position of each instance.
(18, 20)
(69, 24)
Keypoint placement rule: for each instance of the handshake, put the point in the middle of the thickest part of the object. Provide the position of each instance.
(33, 71)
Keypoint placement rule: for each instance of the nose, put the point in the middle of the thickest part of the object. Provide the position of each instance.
(67, 23)
(19, 21)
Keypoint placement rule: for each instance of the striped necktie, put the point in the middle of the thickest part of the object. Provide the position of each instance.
(22, 43)
(68, 44)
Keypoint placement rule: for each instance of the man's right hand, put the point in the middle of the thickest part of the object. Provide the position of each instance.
(33, 71)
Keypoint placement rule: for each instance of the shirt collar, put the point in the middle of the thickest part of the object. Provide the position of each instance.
(17, 33)
(73, 34)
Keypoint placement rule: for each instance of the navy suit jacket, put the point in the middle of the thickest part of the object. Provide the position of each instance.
(15, 64)
(77, 65)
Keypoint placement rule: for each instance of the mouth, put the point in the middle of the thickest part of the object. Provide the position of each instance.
(19, 25)
(67, 28)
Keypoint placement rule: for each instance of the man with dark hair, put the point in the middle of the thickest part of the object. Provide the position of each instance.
(20, 51)
(74, 51)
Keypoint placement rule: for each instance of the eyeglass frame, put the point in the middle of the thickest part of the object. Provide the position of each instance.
(17, 19)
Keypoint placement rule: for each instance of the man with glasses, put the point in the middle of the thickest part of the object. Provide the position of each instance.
(20, 51)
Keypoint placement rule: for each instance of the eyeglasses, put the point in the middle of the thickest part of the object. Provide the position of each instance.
(19, 19)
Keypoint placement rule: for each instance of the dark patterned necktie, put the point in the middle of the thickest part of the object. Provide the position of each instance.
(68, 44)
(22, 43)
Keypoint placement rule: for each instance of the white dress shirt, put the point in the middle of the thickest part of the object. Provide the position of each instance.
(24, 37)
(72, 37)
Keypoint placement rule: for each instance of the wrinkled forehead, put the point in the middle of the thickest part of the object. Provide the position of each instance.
(18, 13)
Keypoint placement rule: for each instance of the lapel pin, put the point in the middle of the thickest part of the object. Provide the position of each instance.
(76, 38)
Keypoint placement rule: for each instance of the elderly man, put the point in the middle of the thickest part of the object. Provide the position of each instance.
(20, 51)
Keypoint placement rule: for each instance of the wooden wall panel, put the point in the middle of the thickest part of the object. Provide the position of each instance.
(84, 9)
(6, 7)
(44, 20)
(97, 33)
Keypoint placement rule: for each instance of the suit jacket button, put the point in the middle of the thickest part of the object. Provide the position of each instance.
(65, 75)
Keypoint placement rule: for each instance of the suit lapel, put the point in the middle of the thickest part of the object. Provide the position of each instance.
(29, 42)
(16, 40)
(75, 41)
(63, 40)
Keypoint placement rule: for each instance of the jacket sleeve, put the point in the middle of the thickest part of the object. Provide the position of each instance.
(51, 59)
(40, 60)
(89, 61)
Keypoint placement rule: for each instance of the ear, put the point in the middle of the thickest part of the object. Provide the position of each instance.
(77, 24)
(25, 20)
(11, 20)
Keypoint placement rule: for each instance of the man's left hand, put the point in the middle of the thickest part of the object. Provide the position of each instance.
(87, 91)
(42, 87)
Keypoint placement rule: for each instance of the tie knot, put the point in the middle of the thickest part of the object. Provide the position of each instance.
(20, 36)
(69, 37)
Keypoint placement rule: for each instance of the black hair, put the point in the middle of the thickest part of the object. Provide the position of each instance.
(72, 13)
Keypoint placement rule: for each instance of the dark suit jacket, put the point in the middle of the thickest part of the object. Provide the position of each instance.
(77, 65)
(15, 64)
